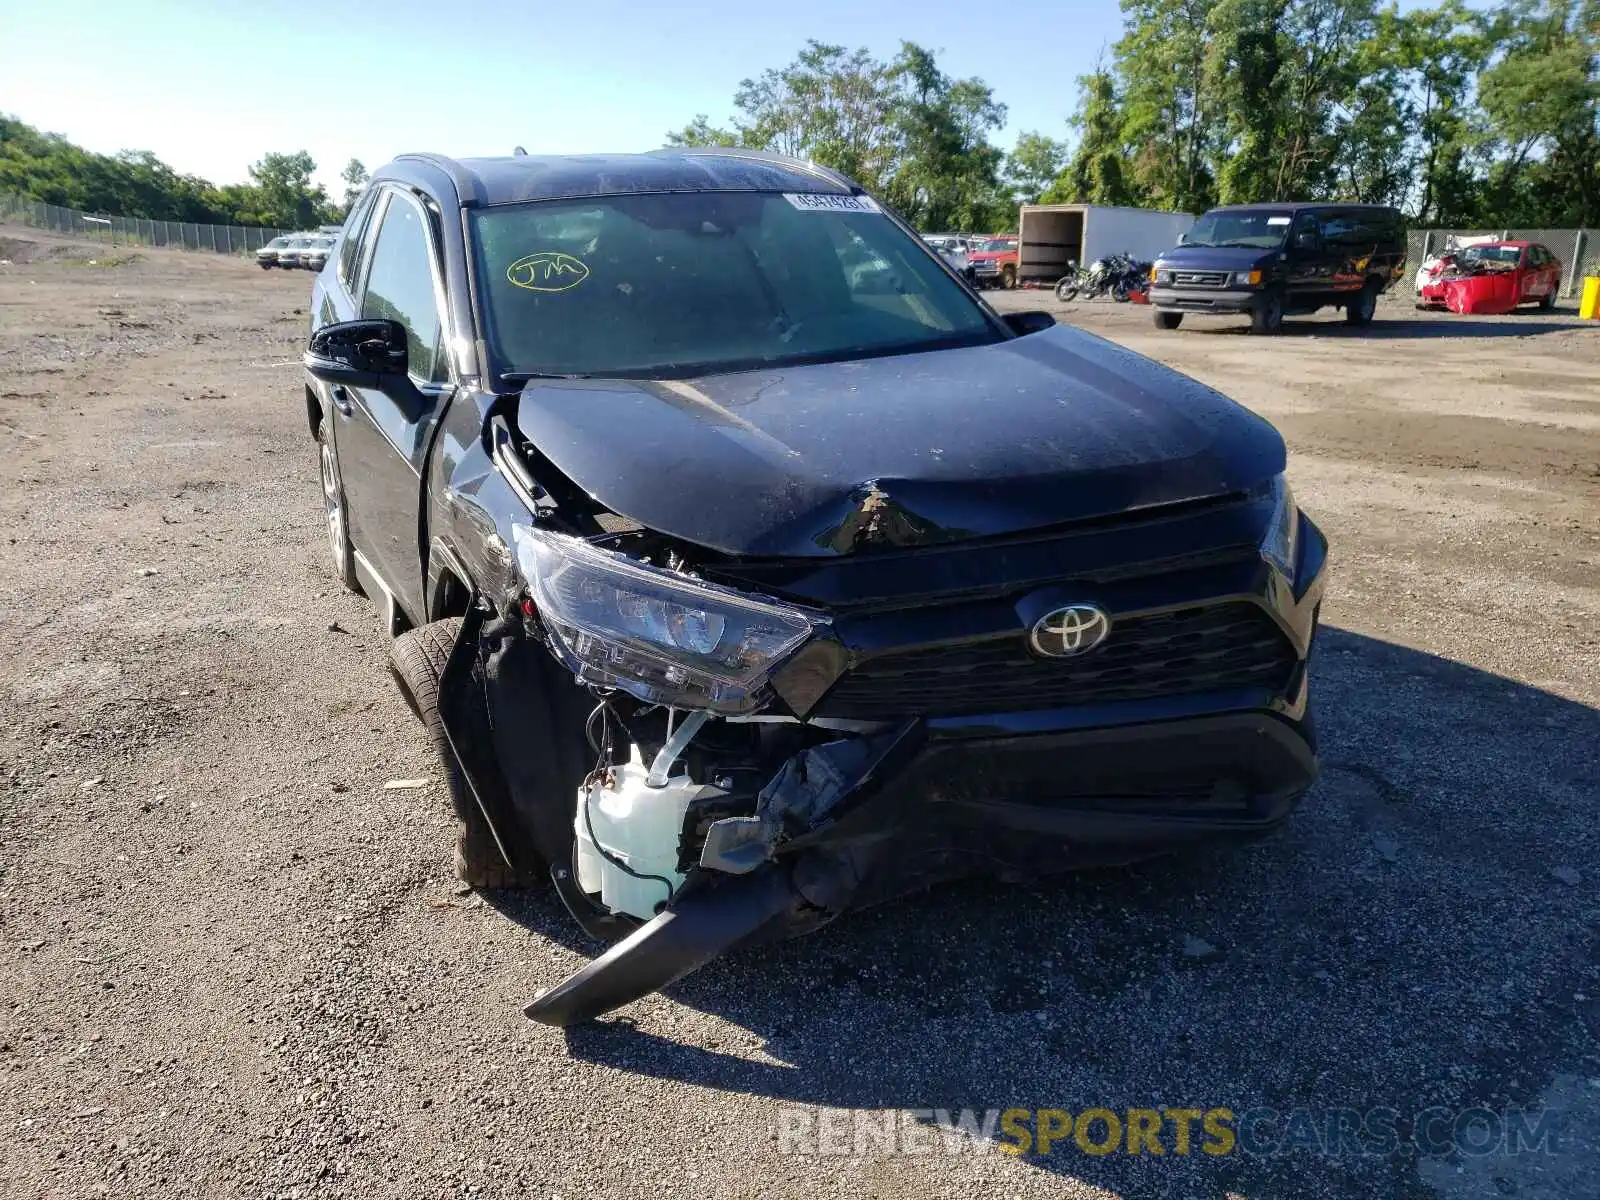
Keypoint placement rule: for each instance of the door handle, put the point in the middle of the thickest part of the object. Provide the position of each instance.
(342, 401)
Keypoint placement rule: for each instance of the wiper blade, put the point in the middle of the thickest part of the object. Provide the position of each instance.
(526, 376)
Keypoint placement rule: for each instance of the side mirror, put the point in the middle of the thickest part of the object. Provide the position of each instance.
(1305, 240)
(367, 353)
(1024, 323)
(1183, 239)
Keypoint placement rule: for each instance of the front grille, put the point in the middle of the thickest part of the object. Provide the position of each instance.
(1203, 648)
(1199, 279)
(987, 266)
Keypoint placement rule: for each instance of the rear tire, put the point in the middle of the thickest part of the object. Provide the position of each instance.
(417, 659)
(1168, 320)
(1268, 315)
(1360, 311)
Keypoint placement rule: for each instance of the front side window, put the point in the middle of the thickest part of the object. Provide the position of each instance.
(354, 227)
(663, 285)
(400, 287)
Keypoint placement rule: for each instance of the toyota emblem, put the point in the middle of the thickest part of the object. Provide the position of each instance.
(1073, 629)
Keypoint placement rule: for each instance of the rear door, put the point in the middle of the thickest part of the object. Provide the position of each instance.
(1530, 276)
(1545, 272)
(383, 443)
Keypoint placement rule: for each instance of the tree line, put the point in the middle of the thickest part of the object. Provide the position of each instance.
(1473, 117)
(135, 183)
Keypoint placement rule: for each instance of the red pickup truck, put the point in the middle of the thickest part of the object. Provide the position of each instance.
(994, 261)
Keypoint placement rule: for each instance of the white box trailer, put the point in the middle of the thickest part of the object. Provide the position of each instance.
(1050, 236)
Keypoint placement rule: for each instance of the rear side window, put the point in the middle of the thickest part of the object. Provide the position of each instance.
(400, 287)
(355, 226)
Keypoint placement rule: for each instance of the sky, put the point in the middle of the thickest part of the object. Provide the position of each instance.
(209, 91)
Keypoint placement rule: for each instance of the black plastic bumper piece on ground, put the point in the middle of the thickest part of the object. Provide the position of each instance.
(697, 928)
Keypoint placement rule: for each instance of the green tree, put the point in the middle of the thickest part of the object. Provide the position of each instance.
(831, 105)
(1097, 172)
(1169, 110)
(1439, 52)
(1541, 108)
(700, 132)
(1032, 166)
(285, 194)
(948, 173)
(355, 178)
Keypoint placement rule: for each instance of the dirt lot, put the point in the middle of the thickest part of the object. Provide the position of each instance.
(233, 964)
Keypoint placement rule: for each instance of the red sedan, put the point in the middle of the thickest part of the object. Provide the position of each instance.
(1495, 277)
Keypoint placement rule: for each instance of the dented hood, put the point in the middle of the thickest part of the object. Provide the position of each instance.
(910, 450)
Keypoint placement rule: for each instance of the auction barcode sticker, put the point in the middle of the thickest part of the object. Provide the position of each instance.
(829, 202)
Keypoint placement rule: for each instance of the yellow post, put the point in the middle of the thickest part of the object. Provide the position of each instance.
(1589, 306)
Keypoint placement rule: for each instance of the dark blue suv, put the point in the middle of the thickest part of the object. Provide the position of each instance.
(746, 567)
(1267, 261)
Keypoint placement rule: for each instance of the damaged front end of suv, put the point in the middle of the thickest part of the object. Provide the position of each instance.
(766, 573)
(836, 695)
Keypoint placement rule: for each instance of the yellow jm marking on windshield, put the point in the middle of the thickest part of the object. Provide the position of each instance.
(547, 271)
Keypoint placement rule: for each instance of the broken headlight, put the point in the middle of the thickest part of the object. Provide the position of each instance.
(1280, 542)
(658, 635)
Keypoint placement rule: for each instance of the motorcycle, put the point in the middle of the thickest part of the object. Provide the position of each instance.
(1116, 275)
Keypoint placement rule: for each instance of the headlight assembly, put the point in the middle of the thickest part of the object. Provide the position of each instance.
(661, 636)
(1279, 544)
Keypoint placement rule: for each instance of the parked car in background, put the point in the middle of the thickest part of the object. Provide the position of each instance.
(1269, 260)
(267, 256)
(1434, 265)
(994, 261)
(954, 250)
(289, 254)
(1495, 277)
(315, 255)
(626, 459)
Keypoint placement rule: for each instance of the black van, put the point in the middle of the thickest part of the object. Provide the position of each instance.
(1269, 260)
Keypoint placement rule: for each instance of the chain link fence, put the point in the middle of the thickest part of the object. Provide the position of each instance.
(1578, 249)
(137, 231)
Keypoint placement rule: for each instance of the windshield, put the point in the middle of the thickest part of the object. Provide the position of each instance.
(1258, 229)
(995, 245)
(685, 284)
(1503, 255)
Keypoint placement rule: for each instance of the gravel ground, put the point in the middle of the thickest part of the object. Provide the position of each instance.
(233, 964)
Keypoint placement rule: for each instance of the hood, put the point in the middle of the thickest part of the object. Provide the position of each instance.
(985, 255)
(910, 450)
(1218, 258)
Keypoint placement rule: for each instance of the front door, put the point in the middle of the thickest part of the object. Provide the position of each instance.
(1309, 277)
(383, 442)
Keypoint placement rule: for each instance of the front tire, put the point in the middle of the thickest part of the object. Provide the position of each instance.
(1008, 277)
(343, 554)
(418, 658)
(1168, 320)
(1268, 315)
(1547, 302)
(1066, 288)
